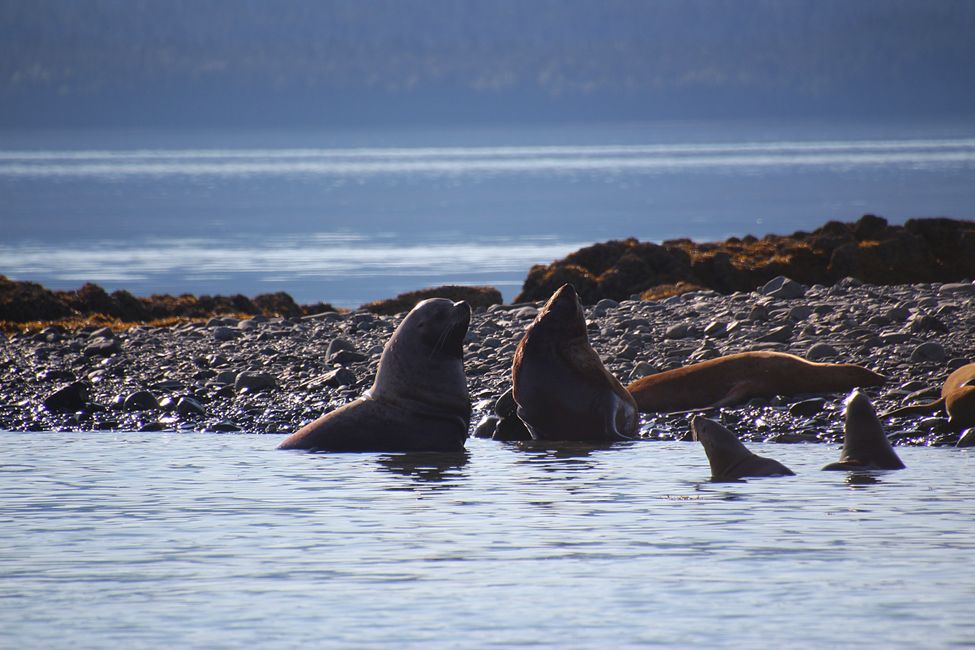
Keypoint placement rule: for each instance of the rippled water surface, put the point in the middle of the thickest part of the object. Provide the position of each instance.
(349, 217)
(208, 541)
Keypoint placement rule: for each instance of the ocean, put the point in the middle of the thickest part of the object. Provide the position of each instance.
(355, 215)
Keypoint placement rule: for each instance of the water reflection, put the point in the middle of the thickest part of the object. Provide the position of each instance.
(567, 453)
(426, 468)
(861, 479)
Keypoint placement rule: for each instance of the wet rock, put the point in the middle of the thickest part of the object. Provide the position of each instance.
(68, 398)
(254, 381)
(189, 406)
(486, 427)
(141, 400)
(967, 438)
(808, 408)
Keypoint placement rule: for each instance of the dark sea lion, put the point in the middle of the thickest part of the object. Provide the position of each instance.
(562, 389)
(729, 458)
(957, 398)
(865, 446)
(419, 400)
(738, 377)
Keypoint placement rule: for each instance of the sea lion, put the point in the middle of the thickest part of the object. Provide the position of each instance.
(738, 377)
(419, 400)
(864, 444)
(560, 385)
(729, 458)
(957, 398)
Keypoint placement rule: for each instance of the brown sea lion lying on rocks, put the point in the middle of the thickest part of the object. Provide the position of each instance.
(957, 398)
(738, 377)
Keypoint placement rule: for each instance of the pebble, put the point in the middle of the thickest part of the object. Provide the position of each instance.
(67, 398)
(880, 327)
(783, 288)
(141, 400)
(930, 351)
(102, 347)
(820, 351)
(254, 381)
(224, 333)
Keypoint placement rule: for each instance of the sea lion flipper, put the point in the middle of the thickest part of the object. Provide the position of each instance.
(914, 409)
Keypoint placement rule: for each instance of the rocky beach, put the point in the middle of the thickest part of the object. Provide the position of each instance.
(273, 373)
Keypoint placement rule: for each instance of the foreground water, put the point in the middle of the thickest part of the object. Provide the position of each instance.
(210, 541)
(348, 217)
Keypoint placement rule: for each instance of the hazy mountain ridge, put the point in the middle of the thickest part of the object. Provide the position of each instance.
(345, 56)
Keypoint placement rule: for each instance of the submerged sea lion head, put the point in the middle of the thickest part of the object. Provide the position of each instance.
(424, 358)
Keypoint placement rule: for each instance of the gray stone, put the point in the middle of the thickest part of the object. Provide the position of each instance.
(716, 329)
(821, 351)
(957, 289)
(642, 369)
(345, 357)
(337, 345)
(967, 438)
(338, 377)
(780, 334)
(678, 331)
(254, 381)
(603, 306)
(102, 333)
(524, 313)
(223, 333)
(102, 347)
(929, 351)
(783, 288)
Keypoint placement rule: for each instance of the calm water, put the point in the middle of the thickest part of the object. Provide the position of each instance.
(209, 541)
(348, 217)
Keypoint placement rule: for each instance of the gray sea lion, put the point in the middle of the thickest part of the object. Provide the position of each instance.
(738, 377)
(729, 458)
(419, 400)
(562, 389)
(957, 398)
(865, 446)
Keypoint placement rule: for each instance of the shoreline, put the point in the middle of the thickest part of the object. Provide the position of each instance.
(272, 375)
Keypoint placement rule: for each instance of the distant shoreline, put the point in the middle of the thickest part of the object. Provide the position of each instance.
(869, 250)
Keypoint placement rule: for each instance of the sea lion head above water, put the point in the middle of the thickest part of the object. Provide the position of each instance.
(419, 400)
(562, 389)
(865, 445)
(730, 460)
